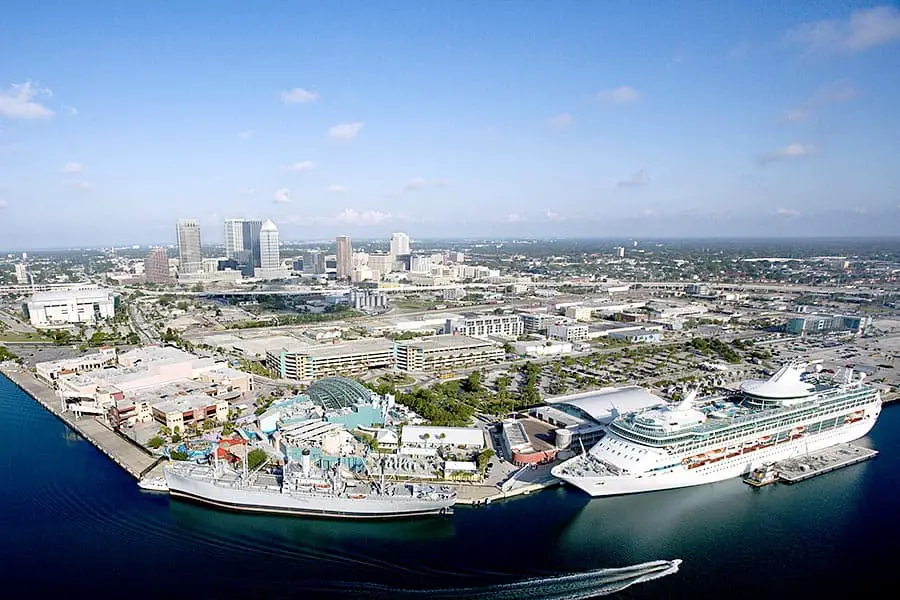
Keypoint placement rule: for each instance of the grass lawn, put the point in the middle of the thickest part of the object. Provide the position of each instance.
(15, 336)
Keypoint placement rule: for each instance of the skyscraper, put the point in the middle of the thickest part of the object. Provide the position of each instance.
(313, 262)
(344, 257)
(156, 266)
(234, 237)
(189, 256)
(22, 273)
(242, 242)
(399, 245)
(270, 254)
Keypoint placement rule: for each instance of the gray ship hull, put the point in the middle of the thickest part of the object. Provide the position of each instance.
(259, 500)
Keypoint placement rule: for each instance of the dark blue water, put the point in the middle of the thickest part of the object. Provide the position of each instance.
(74, 524)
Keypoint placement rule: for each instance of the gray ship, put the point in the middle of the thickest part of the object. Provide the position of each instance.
(302, 489)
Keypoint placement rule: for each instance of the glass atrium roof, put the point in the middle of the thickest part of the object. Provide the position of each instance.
(335, 393)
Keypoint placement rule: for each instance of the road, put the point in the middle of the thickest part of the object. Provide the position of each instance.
(14, 323)
(144, 330)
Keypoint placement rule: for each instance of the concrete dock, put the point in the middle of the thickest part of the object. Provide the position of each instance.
(124, 452)
(522, 482)
(823, 461)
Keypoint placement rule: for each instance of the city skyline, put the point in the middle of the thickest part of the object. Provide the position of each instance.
(450, 121)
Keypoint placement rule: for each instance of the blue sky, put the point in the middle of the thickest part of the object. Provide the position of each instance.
(448, 119)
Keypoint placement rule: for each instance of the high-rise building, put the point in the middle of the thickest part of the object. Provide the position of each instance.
(242, 242)
(234, 237)
(189, 256)
(156, 266)
(344, 257)
(270, 254)
(399, 245)
(313, 263)
(22, 273)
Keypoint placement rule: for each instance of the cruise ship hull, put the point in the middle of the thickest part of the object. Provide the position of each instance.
(723, 469)
(249, 499)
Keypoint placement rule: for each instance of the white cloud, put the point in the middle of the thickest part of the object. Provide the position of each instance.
(636, 180)
(513, 218)
(417, 183)
(337, 188)
(18, 102)
(365, 218)
(621, 95)
(73, 167)
(282, 196)
(796, 115)
(414, 184)
(834, 92)
(794, 150)
(299, 96)
(560, 122)
(246, 135)
(345, 131)
(71, 110)
(4, 204)
(554, 216)
(304, 166)
(866, 28)
(788, 212)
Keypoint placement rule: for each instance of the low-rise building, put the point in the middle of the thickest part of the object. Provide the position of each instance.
(483, 325)
(636, 336)
(568, 332)
(822, 323)
(427, 439)
(542, 348)
(442, 353)
(49, 309)
(579, 313)
(179, 412)
(50, 371)
(317, 362)
(537, 322)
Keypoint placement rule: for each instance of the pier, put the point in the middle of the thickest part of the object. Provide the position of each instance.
(823, 461)
(127, 454)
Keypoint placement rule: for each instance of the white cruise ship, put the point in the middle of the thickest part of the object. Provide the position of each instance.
(710, 439)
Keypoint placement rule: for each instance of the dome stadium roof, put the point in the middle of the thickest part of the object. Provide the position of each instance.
(604, 405)
(335, 393)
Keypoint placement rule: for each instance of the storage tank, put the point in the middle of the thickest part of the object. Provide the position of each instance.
(563, 438)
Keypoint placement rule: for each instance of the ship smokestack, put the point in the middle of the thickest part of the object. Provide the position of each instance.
(305, 461)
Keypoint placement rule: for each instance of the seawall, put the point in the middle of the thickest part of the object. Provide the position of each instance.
(135, 460)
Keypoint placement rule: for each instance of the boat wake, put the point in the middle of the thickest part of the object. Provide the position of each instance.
(575, 586)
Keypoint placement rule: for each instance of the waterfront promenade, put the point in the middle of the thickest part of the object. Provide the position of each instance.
(125, 453)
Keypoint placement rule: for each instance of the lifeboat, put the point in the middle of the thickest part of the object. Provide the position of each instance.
(766, 440)
(855, 416)
(322, 486)
(717, 454)
(797, 432)
(357, 496)
(697, 461)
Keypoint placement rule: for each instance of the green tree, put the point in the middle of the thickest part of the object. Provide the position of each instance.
(178, 455)
(256, 458)
(472, 383)
(155, 442)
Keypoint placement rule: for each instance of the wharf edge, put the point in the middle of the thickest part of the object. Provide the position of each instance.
(135, 460)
